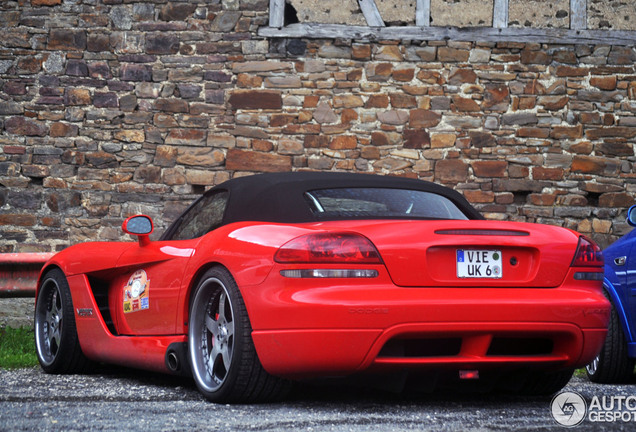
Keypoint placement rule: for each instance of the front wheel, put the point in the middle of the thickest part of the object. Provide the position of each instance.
(224, 362)
(56, 341)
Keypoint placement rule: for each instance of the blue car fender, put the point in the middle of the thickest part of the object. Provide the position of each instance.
(610, 284)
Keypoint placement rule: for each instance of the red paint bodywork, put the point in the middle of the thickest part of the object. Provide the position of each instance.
(326, 327)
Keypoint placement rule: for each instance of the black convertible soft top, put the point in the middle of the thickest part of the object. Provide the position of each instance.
(280, 197)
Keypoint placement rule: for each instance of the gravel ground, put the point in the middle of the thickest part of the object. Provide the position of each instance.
(114, 399)
(120, 399)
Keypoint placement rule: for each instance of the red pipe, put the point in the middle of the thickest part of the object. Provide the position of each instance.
(19, 273)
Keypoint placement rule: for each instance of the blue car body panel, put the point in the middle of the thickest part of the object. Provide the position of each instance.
(620, 283)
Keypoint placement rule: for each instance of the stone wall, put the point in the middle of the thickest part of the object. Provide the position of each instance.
(114, 107)
(601, 14)
(540, 13)
(17, 312)
(611, 14)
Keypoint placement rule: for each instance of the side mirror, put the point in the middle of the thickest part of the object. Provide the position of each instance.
(631, 216)
(141, 226)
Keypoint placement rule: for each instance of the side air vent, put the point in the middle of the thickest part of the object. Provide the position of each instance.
(100, 292)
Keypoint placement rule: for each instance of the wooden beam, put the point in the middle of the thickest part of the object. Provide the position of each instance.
(276, 13)
(500, 14)
(481, 34)
(578, 14)
(423, 13)
(371, 13)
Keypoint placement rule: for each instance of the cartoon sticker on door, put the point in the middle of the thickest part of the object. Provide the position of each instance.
(136, 292)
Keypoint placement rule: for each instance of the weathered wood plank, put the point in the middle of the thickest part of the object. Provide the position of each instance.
(276, 13)
(371, 13)
(423, 13)
(578, 14)
(500, 14)
(482, 34)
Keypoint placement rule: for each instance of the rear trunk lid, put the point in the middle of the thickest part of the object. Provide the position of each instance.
(472, 253)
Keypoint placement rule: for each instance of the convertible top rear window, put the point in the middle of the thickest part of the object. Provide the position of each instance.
(310, 196)
(355, 203)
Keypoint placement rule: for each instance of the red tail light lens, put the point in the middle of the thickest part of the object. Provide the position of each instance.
(588, 254)
(328, 248)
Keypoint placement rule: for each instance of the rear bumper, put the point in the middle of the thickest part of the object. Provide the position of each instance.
(312, 353)
(312, 330)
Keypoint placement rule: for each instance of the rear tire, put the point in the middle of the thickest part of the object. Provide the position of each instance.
(612, 365)
(56, 341)
(224, 363)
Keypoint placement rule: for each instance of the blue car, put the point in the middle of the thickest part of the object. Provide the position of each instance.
(615, 362)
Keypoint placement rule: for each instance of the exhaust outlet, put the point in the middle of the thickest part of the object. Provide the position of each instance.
(176, 359)
(172, 361)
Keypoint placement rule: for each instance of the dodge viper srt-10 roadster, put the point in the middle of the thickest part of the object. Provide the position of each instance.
(274, 278)
(615, 362)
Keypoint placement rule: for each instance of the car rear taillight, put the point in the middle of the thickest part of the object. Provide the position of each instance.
(588, 254)
(329, 248)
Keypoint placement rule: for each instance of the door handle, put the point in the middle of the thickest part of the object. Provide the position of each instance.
(620, 261)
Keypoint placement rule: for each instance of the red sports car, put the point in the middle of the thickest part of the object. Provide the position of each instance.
(278, 277)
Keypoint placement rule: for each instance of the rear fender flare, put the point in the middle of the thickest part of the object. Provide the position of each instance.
(45, 269)
(187, 298)
(186, 303)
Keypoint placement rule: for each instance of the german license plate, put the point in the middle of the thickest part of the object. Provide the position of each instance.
(472, 263)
